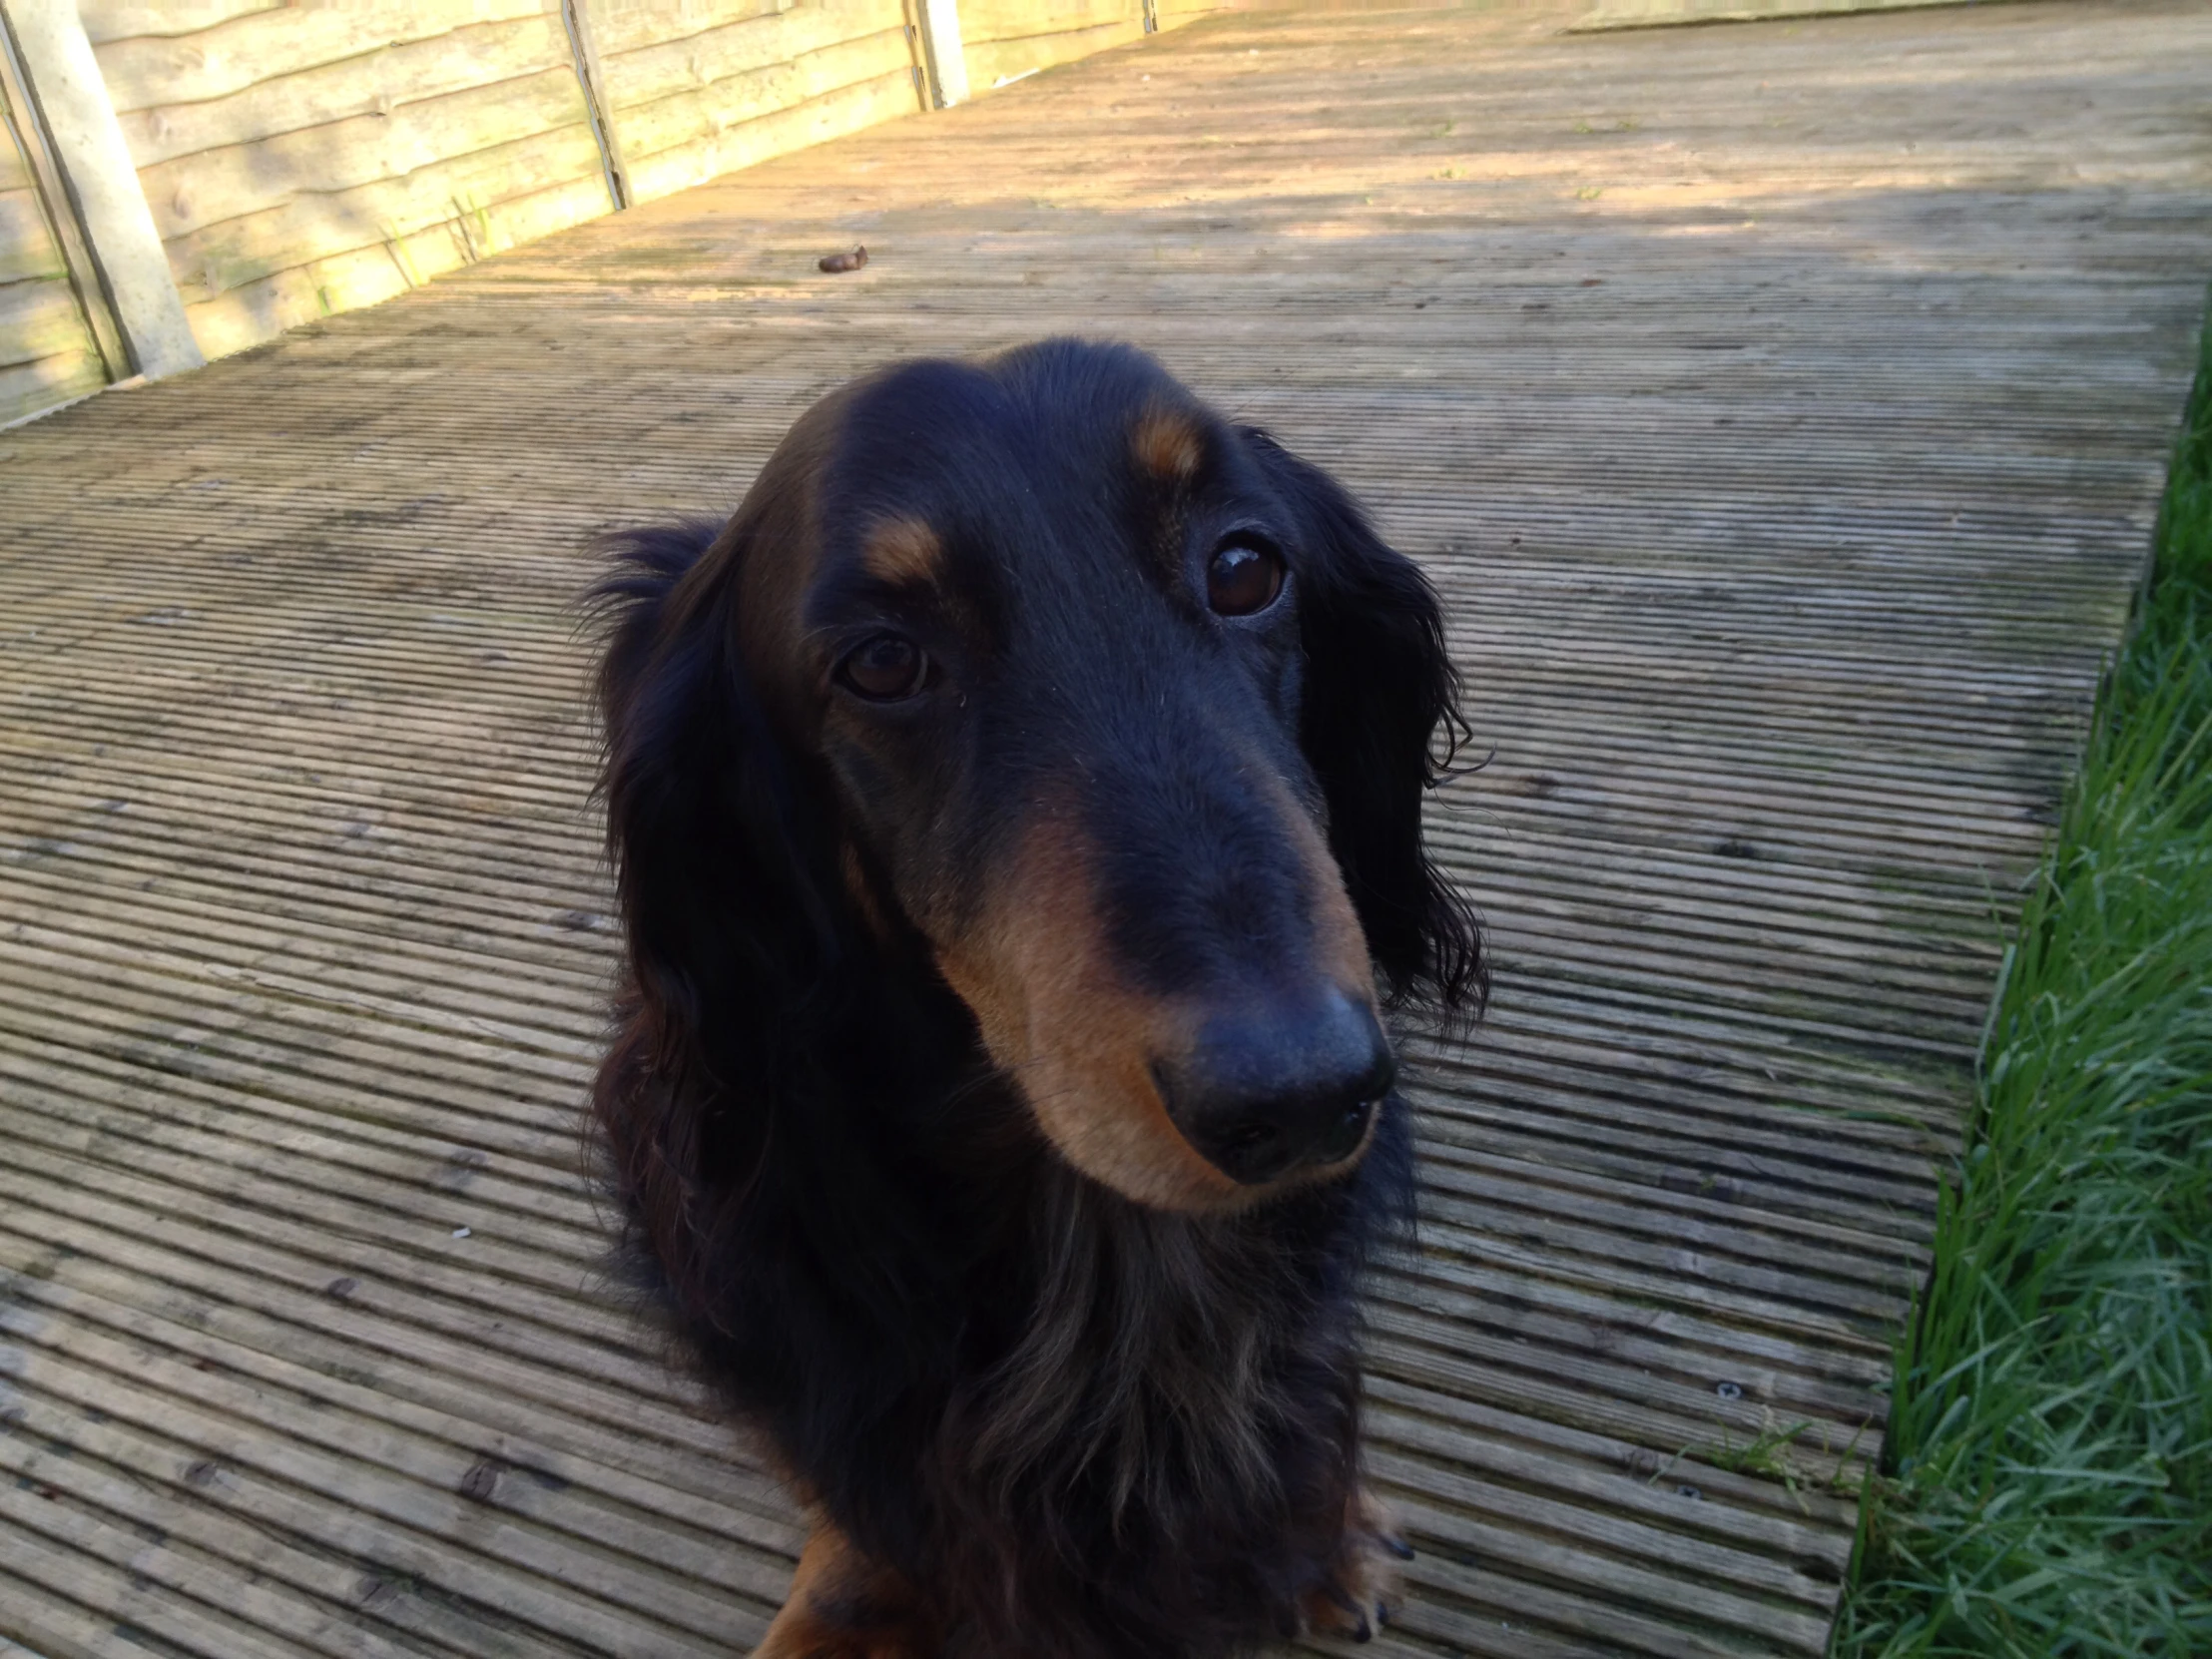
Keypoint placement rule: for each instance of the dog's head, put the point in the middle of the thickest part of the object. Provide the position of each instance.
(1039, 675)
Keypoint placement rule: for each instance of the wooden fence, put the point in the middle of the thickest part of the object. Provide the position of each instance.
(183, 179)
(47, 351)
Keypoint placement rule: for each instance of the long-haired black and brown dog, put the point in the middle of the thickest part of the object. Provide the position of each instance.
(1018, 813)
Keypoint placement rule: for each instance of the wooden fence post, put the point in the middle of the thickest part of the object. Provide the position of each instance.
(941, 50)
(76, 123)
(596, 102)
(52, 201)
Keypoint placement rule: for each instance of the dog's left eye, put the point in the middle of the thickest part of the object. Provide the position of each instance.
(886, 667)
(1243, 577)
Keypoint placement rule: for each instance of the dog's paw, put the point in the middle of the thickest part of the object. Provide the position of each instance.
(826, 1639)
(839, 1628)
(1360, 1591)
(844, 1607)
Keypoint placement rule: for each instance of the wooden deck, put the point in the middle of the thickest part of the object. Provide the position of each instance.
(1783, 410)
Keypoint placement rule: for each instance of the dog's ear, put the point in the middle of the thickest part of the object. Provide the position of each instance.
(729, 902)
(722, 854)
(1381, 700)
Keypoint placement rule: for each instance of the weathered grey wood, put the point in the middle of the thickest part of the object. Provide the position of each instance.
(1660, 14)
(68, 102)
(192, 192)
(1025, 50)
(28, 389)
(410, 208)
(36, 319)
(366, 72)
(300, 163)
(106, 20)
(592, 76)
(1784, 460)
(828, 115)
(43, 254)
(560, 186)
(291, 54)
(694, 65)
(738, 96)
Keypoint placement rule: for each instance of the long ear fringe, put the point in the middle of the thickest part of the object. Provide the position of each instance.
(705, 821)
(732, 941)
(1454, 978)
(624, 606)
(1382, 728)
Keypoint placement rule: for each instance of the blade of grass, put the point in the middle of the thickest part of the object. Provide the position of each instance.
(2047, 1492)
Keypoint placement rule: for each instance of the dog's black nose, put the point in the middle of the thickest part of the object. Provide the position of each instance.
(1282, 1084)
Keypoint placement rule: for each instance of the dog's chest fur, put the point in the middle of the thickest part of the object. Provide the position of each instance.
(1077, 1427)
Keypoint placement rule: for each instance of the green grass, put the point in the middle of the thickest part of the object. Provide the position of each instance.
(2048, 1480)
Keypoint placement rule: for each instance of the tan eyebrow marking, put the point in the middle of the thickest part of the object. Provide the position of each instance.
(903, 551)
(1168, 444)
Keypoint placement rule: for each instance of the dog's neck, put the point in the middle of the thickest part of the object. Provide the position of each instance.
(1153, 1338)
(978, 1358)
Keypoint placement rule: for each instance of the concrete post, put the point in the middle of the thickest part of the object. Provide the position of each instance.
(940, 45)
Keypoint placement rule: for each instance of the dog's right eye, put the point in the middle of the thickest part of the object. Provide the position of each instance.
(886, 667)
(1243, 577)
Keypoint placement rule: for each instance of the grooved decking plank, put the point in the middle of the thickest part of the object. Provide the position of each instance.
(1781, 412)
